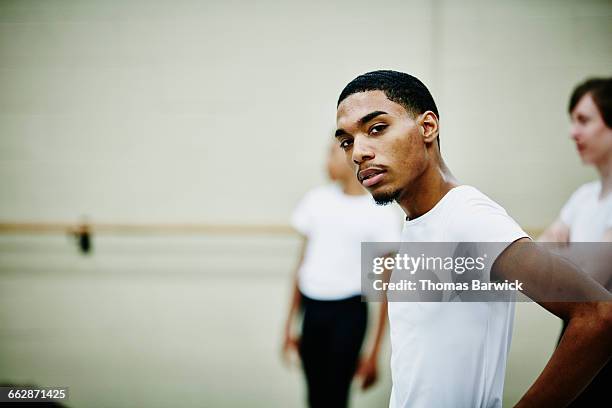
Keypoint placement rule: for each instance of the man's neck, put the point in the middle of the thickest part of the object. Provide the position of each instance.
(605, 174)
(427, 190)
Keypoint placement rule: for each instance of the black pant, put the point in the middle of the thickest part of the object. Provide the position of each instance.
(332, 334)
(597, 393)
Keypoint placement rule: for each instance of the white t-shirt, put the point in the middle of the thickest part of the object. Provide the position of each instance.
(586, 215)
(336, 224)
(453, 354)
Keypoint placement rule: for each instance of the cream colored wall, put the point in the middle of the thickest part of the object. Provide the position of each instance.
(191, 111)
(506, 71)
(220, 111)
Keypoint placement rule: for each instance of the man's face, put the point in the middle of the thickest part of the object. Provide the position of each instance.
(592, 137)
(383, 142)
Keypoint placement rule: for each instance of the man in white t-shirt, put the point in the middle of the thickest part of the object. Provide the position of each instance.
(587, 216)
(454, 354)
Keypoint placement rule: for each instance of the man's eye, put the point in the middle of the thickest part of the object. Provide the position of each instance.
(345, 144)
(376, 129)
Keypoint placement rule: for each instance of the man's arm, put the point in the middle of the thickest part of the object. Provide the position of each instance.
(586, 345)
(592, 258)
(368, 367)
(290, 341)
(556, 232)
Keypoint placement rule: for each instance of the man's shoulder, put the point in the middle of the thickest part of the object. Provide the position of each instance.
(472, 201)
(587, 190)
(477, 217)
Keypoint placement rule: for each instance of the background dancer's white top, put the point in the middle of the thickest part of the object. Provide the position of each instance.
(586, 215)
(453, 354)
(336, 224)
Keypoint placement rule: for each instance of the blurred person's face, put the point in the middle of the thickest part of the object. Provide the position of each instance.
(588, 130)
(383, 142)
(337, 167)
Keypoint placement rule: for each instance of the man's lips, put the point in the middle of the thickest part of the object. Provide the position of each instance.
(370, 176)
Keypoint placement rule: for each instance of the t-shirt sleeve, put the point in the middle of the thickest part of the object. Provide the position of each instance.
(302, 216)
(483, 220)
(487, 225)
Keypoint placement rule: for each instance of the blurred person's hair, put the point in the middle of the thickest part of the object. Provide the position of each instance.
(600, 90)
(399, 87)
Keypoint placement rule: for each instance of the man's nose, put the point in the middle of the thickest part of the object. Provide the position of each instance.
(362, 151)
(574, 132)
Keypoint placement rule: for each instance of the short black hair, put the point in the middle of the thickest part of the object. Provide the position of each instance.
(600, 90)
(399, 87)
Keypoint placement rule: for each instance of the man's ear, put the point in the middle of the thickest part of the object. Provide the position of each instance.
(428, 124)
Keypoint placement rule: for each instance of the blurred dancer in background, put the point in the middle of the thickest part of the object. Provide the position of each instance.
(587, 216)
(333, 220)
